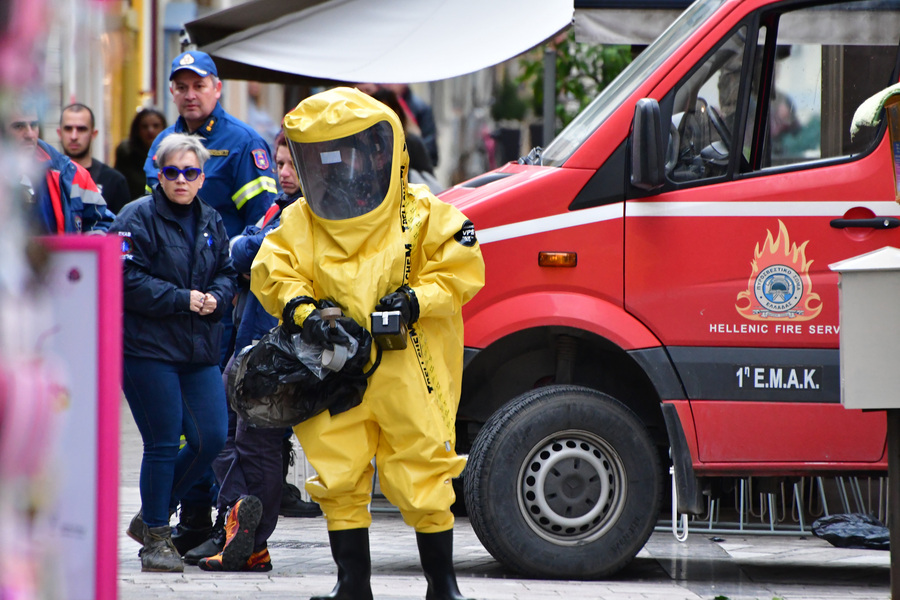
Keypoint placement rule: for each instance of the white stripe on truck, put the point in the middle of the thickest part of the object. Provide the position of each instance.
(680, 209)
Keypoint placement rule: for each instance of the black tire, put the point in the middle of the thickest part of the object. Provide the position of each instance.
(550, 437)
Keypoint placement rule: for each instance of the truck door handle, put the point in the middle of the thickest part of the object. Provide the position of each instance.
(873, 223)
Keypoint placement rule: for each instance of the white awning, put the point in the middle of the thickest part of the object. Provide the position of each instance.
(388, 41)
(622, 25)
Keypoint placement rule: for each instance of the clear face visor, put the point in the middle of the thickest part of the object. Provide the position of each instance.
(346, 177)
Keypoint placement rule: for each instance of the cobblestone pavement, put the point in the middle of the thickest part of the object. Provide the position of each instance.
(705, 567)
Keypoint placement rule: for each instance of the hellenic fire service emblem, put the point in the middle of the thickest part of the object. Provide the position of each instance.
(780, 286)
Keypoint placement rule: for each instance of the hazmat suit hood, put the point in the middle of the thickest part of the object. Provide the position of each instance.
(352, 162)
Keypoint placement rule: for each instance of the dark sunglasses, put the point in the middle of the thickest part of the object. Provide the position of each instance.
(190, 174)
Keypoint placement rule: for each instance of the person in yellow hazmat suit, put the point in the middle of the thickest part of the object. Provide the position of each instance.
(366, 240)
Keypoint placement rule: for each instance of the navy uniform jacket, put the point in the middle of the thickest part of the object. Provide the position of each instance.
(240, 181)
(159, 272)
(255, 321)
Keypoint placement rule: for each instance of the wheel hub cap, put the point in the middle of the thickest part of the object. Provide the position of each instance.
(571, 487)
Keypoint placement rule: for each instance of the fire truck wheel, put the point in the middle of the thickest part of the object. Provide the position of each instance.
(563, 482)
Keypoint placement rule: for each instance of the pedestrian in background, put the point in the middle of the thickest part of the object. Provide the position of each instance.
(420, 168)
(178, 283)
(77, 133)
(131, 153)
(257, 116)
(368, 241)
(240, 185)
(420, 115)
(59, 194)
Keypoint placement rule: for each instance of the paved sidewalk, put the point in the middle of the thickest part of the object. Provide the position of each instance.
(733, 566)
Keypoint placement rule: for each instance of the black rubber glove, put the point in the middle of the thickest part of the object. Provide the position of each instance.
(318, 331)
(403, 300)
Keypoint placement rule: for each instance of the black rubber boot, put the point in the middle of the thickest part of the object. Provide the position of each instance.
(211, 546)
(292, 502)
(194, 527)
(350, 549)
(158, 553)
(436, 554)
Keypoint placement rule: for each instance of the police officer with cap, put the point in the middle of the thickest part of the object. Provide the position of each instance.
(240, 180)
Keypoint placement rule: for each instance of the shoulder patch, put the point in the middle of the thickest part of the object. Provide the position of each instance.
(466, 234)
(126, 245)
(261, 159)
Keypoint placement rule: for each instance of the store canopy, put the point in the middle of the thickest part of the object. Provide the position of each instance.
(388, 41)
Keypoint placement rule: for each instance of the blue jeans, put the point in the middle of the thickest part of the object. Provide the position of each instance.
(166, 400)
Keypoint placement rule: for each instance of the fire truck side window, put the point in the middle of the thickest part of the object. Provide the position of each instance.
(701, 136)
(826, 61)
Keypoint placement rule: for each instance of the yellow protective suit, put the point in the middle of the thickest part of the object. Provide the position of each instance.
(407, 417)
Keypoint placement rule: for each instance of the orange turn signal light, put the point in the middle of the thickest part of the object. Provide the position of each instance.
(557, 259)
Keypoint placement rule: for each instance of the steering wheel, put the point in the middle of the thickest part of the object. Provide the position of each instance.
(717, 121)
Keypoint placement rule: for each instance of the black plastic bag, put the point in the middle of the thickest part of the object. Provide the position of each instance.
(854, 530)
(270, 386)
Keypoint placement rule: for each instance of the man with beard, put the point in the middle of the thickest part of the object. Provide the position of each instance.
(76, 134)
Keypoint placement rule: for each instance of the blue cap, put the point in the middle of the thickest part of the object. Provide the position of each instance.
(200, 63)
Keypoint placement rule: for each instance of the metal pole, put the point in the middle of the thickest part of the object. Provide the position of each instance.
(893, 435)
(549, 95)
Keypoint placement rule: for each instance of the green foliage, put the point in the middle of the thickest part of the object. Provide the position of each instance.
(582, 71)
(507, 103)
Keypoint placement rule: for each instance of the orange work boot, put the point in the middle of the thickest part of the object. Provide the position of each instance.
(259, 562)
(240, 527)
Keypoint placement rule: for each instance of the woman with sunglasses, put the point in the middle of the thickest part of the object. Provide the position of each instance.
(178, 282)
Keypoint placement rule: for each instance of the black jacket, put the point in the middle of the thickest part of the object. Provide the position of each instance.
(160, 270)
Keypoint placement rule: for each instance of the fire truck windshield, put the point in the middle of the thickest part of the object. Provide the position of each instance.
(571, 138)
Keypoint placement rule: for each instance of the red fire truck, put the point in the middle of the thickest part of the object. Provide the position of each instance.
(658, 290)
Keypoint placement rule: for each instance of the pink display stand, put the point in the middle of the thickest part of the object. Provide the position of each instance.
(85, 340)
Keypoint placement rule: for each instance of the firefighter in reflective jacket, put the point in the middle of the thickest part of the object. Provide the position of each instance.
(367, 240)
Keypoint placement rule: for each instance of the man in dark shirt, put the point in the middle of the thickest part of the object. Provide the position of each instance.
(76, 134)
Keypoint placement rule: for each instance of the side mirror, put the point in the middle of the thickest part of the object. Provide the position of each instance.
(647, 156)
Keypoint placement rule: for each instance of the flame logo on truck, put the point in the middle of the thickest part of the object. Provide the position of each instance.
(780, 286)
